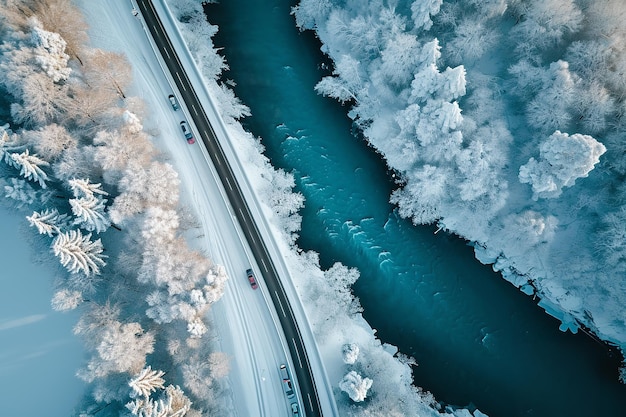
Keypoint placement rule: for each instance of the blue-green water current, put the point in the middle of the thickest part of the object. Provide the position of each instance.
(477, 339)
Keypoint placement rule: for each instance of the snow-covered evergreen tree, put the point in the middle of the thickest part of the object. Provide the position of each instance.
(146, 382)
(90, 213)
(355, 386)
(50, 52)
(563, 159)
(173, 403)
(84, 188)
(49, 222)
(20, 191)
(422, 11)
(196, 328)
(10, 143)
(79, 253)
(30, 167)
(350, 353)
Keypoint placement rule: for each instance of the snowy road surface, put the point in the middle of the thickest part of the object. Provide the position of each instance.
(247, 327)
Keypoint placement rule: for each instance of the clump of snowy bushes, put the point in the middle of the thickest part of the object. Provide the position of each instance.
(77, 162)
(506, 121)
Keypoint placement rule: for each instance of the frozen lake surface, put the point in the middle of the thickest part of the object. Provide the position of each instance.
(39, 355)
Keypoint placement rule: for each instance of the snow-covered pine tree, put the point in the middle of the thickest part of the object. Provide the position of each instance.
(355, 386)
(196, 328)
(20, 191)
(83, 188)
(175, 404)
(79, 253)
(30, 167)
(48, 222)
(50, 53)
(146, 382)
(9, 144)
(89, 212)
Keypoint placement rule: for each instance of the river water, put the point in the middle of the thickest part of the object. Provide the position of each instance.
(477, 339)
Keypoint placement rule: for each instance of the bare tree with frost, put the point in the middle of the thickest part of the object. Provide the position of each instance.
(544, 23)
(196, 328)
(42, 102)
(159, 225)
(79, 253)
(286, 203)
(105, 70)
(399, 58)
(142, 186)
(59, 16)
(119, 347)
(89, 109)
(345, 82)
(64, 300)
(49, 222)
(75, 163)
(118, 150)
(551, 108)
(201, 375)
(472, 39)
(52, 140)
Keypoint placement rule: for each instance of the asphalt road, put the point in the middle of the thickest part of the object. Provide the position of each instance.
(308, 392)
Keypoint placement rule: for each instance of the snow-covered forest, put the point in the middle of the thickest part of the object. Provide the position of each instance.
(104, 207)
(505, 120)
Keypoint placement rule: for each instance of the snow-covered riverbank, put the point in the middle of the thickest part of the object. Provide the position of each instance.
(471, 104)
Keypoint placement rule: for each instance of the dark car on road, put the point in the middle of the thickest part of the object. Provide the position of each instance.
(252, 279)
(284, 374)
(187, 132)
(173, 101)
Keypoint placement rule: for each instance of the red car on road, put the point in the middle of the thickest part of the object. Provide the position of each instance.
(252, 279)
(187, 132)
